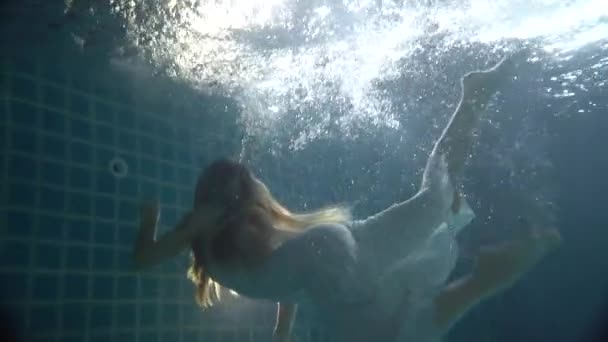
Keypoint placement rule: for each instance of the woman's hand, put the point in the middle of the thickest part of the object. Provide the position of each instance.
(149, 213)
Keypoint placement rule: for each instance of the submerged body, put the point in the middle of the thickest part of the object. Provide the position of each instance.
(390, 267)
(329, 267)
(382, 278)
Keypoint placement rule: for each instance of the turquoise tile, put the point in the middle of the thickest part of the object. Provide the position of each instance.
(145, 124)
(53, 173)
(104, 207)
(148, 315)
(101, 317)
(48, 256)
(126, 119)
(126, 234)
(163, 129)
(147, 146)
(80, 178)
(128, 211)
(128, 187)
(171, 335)
(45, 287)
(52, 199)
(169, 194)
(183, 155)
(22, 167)
(103, 287)
(74, 318)
(24, 114)
(50, 227)
(127, 141)
(79, 204)
(79, 106)
(124, 259)
(167, 172)
(104, 232)
(14, 286)
(149, 288)
(53, 97)
(149, 190)
(54, 147)
(185, 176)
(81, 153)
(81, 129)
(131, 161)
(148, 336)
(104, 135)
(170, 314)
(76, 287)
(77, 258)
(126, 336)
(105, 183)
(104, 156)
(167, 151)
(103, 259)
(104, 113)
(125, 316)
(78, 230)
(148, 168)
(53, 121)
(14, 254)
(19, 223)
(44, 319)
(126, 287)
(22, 194)
(24, 88)
(24, 140)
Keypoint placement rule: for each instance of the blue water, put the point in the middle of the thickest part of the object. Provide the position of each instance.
(328, 101)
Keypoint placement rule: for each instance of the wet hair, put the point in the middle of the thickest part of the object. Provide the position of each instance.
(249, 208)
(214, 185)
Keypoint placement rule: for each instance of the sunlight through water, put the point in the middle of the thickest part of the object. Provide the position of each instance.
(293, 58)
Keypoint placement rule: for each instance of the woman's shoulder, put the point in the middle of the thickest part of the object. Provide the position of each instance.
(329, 229)
(325, 236)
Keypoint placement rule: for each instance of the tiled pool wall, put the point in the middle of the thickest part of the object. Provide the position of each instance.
(68, 221)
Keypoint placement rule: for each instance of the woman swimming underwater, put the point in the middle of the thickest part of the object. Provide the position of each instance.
(389, 270)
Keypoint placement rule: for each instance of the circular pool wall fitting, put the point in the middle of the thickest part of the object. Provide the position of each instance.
(119, 168)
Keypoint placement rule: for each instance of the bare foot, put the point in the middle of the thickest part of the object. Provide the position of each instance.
(480, 85)
(501, 265)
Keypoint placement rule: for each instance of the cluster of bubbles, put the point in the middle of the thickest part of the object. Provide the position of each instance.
(305, 71)
(319, 63)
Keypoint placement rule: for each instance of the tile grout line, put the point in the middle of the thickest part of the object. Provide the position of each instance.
(139, 286)
(62, 291)
(136, 129)
(89, 96)
(36, 217)
(120, 149)
(91, 227)
(114, 307)
(97, 168)
(6, 135)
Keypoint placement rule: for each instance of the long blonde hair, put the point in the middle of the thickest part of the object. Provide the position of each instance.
(254, 191)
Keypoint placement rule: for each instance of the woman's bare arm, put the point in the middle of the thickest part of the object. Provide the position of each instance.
(286, 315)
(149, 251)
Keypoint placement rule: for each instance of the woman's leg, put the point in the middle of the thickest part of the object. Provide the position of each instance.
(454, 144)
(498, 268)
(394, 232)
